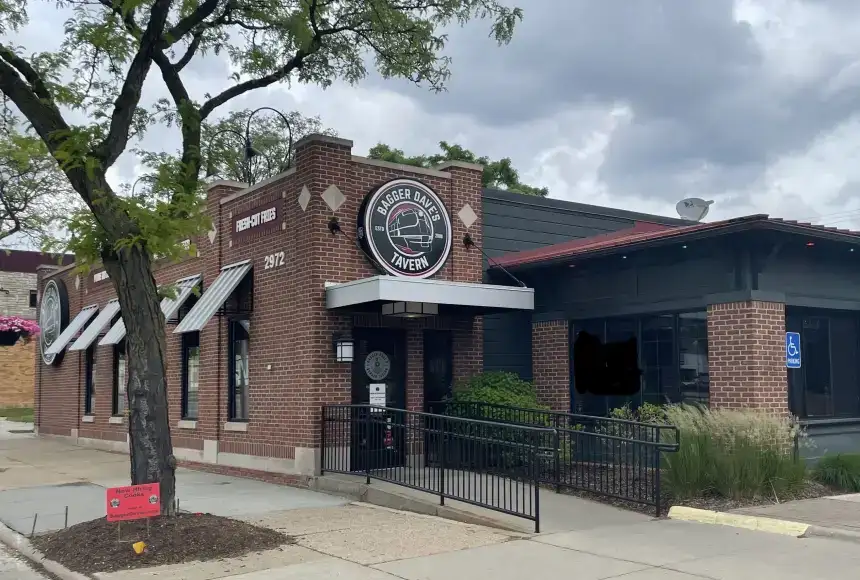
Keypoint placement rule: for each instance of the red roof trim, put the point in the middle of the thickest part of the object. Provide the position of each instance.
(640, 232)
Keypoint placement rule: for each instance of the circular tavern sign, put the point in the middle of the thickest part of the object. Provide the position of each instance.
(376, 365)
(405, 228)
(53, 318)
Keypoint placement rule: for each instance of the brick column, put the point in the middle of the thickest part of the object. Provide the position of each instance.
(551, 363)
(746, 356)
(212, 393)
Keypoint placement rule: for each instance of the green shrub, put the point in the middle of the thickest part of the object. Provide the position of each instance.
(841, 471)
(497, 388)
(646, 413)
(732, 453)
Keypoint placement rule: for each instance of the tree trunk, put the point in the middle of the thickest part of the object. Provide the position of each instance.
(150, 446)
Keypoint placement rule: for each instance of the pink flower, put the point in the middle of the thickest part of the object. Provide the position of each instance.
(19, 325)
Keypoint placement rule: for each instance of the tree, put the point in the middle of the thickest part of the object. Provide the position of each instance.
(34, 194)
(110, 47)
(498, 174)
(273, 140)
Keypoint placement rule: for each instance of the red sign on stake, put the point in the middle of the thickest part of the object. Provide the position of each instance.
(133, 502)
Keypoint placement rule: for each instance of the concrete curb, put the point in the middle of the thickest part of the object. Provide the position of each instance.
(22, 546)
(754, 523)
(364, 493)
(832, 533)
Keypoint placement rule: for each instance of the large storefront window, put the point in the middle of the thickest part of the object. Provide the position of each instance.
(826, 385)
(190, 374)
(672, 353)
(239, 342)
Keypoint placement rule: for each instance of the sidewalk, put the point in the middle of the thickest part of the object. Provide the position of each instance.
(337, 539)
(838, 512)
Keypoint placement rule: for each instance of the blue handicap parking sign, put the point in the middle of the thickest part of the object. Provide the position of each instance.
(792, 350)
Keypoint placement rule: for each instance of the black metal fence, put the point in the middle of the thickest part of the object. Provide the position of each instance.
(490, 464)
(605, 456)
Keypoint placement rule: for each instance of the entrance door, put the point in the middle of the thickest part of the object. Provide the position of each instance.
(438, 367)
(379, 379)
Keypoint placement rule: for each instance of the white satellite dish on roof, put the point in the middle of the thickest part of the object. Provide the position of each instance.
(693, 208)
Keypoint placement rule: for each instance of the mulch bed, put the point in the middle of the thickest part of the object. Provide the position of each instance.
(93, 546)
(624, 483)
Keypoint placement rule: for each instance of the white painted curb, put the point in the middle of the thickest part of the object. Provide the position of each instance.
(755, 523)
(23, 546)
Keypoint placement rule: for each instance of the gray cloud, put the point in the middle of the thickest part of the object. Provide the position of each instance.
(701, 90)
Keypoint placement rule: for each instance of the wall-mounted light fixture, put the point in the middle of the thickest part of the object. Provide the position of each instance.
(410, 309)
(343, 347)
(334, 225)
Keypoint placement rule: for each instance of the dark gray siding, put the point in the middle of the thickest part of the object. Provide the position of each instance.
(661, 280)
(831, 436)
(813, 278)
(514, 222)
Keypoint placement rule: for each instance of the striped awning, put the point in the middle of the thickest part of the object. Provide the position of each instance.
(72, 329)
(89, 335)
(169, 307)
(213, 299)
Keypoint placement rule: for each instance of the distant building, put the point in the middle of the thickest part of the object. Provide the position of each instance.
(19, 297)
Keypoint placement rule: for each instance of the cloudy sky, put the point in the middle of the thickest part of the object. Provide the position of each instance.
(625, 103)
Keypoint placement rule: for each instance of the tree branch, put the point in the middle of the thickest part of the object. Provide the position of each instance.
(294, 63)
(126, 102)
(40, 111)
(189, 54)
(10, 211)
(187, 24)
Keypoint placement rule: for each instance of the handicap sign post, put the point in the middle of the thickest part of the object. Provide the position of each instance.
(792, 350)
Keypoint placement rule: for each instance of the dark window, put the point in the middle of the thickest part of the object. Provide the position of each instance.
(238, 371)
(672, 351)
(190, 374)
(693, 355)
(659, 360)
(120, 379)
(34, 298)
(90, 384)
(828, 382)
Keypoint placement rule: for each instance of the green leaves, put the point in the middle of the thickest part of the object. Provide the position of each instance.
(497, 174)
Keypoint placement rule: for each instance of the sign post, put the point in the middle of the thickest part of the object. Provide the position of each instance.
(792, 350)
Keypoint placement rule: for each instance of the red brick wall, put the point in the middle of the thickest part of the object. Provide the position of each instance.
(746, 356)
(292, 368)
(551, 363)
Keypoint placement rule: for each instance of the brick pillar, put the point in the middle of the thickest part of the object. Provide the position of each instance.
(746, 356)
(551, 363)
(212, 392)
(468, 347)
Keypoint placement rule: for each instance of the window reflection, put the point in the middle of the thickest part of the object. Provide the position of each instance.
(673, 358)
(239, 378)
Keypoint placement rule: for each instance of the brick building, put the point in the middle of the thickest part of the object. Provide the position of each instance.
(18, 297)
(345, 275)
(340, 257)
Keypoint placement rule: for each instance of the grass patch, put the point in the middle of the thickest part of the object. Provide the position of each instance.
(841, 471)
(21, 414)
(739, 455)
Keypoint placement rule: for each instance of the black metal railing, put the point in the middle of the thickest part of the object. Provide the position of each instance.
(611, 457)
(489, 464)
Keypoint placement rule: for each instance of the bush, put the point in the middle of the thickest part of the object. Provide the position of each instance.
(733, 454)
(497, 388)
(841, 471)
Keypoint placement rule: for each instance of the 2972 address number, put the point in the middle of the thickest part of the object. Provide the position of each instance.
(274, 260)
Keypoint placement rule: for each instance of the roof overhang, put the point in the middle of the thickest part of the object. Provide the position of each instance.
(685, 234)
(371, 294)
